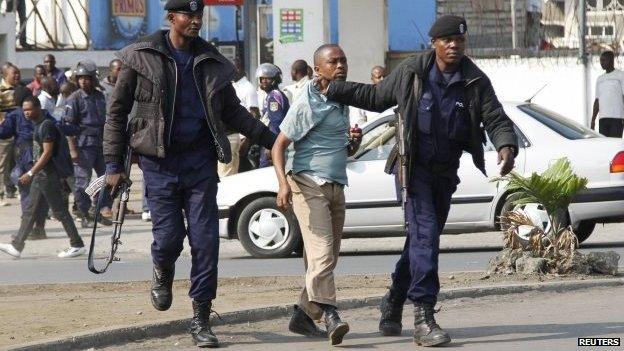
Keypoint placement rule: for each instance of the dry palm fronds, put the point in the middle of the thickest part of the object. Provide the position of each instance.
(536, 240)
(510, 221)
(567, 243)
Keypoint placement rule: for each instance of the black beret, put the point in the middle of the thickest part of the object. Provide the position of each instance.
(448, 25)
(184, 6)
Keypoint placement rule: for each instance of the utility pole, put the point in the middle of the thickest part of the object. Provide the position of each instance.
(514, 36)
(584, 57)
(250, 28)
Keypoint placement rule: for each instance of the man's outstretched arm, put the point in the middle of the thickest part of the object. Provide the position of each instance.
(371, 97)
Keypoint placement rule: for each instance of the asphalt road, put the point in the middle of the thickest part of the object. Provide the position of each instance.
(529, 321)
(465, 252)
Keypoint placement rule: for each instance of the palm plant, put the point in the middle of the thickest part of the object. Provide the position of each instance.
(555, 189)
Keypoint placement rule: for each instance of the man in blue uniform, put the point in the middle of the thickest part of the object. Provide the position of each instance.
(443, 99)
(85, 114)
(181, 88)
(275, 104)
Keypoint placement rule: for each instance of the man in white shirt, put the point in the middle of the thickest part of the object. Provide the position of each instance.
(361, 117)
(108, 83)
(246, 93)
(48, 95)
(299, 75)
(609, 98)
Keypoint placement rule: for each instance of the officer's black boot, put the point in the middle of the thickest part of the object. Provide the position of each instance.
(426, 331)
(391, 307)
(38, 233)
(200, 325)
(87, 220)
(162, 282)
(301, 323)
(336, 329)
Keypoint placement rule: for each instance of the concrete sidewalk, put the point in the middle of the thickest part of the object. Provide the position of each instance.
(528, 321)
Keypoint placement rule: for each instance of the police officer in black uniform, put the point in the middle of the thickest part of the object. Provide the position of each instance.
(443, 99)
(180, 87)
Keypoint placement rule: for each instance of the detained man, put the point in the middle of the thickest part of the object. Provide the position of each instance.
(317, 139)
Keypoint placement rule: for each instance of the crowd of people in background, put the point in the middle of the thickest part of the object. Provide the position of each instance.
(75, 99)
(270, 102)
(66, 109)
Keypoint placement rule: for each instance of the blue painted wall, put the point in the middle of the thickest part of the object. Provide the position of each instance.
(406, 18)
(333, 22)
(222, 24)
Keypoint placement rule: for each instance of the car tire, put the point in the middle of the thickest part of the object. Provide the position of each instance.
(584, 230)
(509, 206)
(258, 224)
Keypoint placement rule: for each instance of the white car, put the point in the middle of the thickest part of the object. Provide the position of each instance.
(247, 209)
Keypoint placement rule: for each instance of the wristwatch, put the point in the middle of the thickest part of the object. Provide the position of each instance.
(30, 173)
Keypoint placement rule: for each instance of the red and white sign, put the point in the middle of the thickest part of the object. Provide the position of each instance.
(224, 2)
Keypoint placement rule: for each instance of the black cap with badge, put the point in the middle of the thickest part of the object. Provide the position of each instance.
(448, 25)
(187, 6)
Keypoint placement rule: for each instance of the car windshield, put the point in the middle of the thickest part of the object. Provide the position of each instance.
(377, 142)
(558, 123)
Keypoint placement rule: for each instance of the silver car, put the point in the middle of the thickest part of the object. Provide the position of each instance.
(247, 208)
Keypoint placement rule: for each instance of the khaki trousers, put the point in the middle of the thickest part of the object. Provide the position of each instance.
(224, 169)
(320, 210)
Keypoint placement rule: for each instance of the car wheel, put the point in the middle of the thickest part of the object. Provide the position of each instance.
(536, 212)
(584, 230)
(266, 231)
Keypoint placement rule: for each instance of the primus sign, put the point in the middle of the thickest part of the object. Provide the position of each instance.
(117, 23)
(130, 8)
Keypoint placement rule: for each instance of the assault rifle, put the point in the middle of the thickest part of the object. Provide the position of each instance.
(397, 160)
(120, 195)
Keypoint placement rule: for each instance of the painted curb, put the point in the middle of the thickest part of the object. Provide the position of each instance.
(164, 329)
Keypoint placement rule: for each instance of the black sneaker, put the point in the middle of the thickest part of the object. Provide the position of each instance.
(336, 328)
(301, 323)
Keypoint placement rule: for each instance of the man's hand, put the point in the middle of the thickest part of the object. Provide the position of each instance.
(355, 139)
(355, 134)
(113, 180)
(284, 197)
(506, 157)
(25, 179)
(321, 83)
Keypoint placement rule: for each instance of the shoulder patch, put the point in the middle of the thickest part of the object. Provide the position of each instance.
(273, 106)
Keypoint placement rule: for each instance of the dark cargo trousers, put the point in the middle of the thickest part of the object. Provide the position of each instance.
(46, 187)
(428, 204)
(190, 194)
